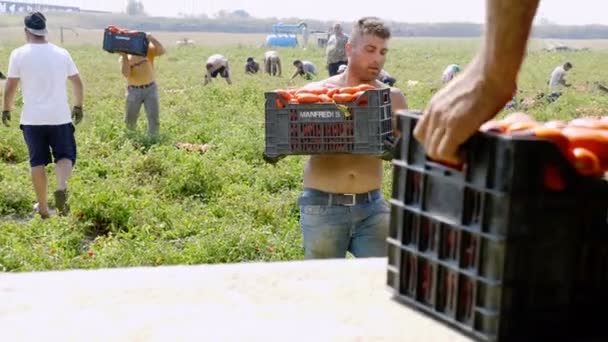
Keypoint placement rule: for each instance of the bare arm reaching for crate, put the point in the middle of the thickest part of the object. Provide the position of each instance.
(457, 111)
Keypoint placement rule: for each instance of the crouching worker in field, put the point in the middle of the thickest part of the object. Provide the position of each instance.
(342, 208)
(272, 63)
(305, 69)
(43, 69)
(217, 65)
(557, 81)
(142, 88)
(251, 66)
(450, 72)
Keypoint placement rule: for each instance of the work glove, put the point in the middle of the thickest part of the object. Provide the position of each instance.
(77, 114)
(390, 148)
(6, 117)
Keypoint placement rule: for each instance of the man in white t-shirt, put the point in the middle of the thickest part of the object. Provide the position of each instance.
(558, 77)
(450, 72)
(217, 65)
(43, 68)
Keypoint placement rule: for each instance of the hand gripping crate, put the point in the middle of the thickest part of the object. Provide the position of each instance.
(490, 249)
(134, 43)
(359, 127)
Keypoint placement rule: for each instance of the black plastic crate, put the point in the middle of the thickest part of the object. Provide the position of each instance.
(359, 127)
(134, 43)
(491, 249)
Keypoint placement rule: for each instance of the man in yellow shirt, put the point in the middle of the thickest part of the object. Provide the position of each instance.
(139, 72)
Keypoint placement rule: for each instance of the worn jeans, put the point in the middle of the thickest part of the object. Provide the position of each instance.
(329, 231)
(149, 97)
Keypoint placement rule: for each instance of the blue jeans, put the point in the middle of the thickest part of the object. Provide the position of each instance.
(329, 231)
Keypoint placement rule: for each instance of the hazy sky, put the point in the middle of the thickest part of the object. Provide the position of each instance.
(561, 11)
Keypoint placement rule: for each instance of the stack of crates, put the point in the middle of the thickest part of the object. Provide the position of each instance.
(490, 250)
(359, 127)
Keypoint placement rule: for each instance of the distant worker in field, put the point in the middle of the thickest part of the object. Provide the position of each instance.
(2, 77)
(336, 50)
(450, 72)
(251, 66)
(272, 63)
(558, 81)
(305, 35)
(558, 77)
(305, 69)
(217, 65)
(141, 86)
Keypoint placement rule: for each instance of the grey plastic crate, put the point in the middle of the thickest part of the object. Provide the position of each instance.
(360, 127)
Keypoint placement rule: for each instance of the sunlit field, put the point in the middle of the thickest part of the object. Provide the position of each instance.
(136, 201)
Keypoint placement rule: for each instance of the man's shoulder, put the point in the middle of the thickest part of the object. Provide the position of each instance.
(57, 50)
(152, 52)
(396, 91)
(398, 98)
(20, 50)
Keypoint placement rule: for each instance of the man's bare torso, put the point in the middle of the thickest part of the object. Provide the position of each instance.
(343, 173)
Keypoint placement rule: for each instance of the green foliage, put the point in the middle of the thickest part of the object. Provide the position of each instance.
(141, 201)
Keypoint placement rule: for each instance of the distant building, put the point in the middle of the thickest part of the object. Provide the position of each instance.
(26, 7)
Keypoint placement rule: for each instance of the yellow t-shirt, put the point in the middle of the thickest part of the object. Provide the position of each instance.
(142, 68)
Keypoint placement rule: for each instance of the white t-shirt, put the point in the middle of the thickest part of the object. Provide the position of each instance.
(309, 67)
(556, 78)
(272, 55)
(217, 61)
(43, 70)
(449, 72)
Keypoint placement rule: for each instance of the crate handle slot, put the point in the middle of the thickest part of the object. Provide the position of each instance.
(443, 168)
(386, 98)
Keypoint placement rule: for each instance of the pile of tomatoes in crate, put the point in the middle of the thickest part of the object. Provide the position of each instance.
(118, 30)
(335, 135)
(583, 141)
(327, 93)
